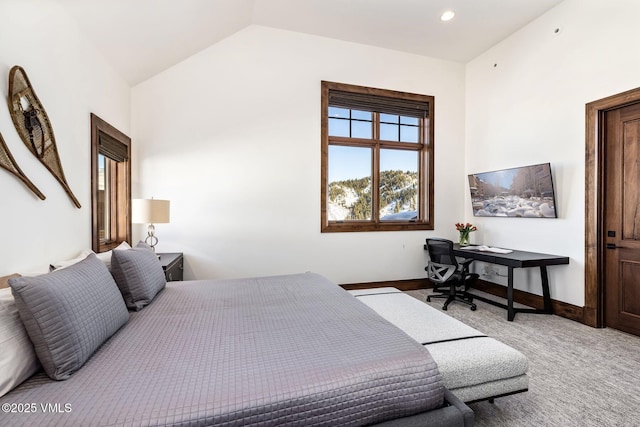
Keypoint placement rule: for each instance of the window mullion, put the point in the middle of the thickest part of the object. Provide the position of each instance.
(392, 145)
(375, 182)
(351, 142)
(421, 183)
(424, 164)
(113, 200)
(350, 124)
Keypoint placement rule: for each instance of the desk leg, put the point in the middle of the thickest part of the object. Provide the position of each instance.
(511, 314)
(546, 294)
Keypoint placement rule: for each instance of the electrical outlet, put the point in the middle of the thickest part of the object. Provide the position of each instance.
(501, 271)
(489, 271)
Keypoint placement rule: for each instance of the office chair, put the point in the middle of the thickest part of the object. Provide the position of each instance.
(451, 276)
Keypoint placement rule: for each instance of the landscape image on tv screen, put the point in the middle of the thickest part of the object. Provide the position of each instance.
(525, 192)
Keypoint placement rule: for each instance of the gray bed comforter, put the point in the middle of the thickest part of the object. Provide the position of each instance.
(283, 350)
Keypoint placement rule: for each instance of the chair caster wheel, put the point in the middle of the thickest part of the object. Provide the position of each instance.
(428, 299)
(444, 308)
(473, 307)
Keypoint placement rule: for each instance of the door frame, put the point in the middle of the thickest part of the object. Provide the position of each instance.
(593, 313)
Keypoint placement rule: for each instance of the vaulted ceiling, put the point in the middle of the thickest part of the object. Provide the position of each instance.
(141, 38)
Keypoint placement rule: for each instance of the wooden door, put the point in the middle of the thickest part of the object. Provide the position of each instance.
(621, 231)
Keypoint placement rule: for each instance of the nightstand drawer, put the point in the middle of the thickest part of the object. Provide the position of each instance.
(173, 266)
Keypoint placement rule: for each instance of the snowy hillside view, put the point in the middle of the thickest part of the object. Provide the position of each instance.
(351, 199)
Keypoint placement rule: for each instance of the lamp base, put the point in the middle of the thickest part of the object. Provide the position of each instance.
(151, 239)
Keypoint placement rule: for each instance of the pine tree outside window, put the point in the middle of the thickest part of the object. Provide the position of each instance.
(377, 159)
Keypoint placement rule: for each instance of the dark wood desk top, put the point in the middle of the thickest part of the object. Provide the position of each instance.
(517, 259)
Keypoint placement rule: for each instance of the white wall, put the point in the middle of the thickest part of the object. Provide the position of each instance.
(72, 80)
(232, 137)
(525, 104)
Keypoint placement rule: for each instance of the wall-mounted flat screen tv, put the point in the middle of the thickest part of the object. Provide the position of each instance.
(523, 192)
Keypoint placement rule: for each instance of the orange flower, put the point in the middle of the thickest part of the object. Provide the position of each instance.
(466, 228)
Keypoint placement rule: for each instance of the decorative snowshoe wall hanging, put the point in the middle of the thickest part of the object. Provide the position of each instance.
(8, 162)
(33, 126)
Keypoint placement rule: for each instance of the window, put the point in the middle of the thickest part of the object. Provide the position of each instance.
(110, 185)
(377, 159)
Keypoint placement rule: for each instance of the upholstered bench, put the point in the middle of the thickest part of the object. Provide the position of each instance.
(473, 366)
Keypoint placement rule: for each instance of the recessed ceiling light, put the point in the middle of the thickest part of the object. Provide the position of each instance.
(447, 15)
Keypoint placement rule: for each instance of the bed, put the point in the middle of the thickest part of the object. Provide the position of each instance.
(282, 350)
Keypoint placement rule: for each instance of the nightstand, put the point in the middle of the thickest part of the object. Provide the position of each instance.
(173, 265)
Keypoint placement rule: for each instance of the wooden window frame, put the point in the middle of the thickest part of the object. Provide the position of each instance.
(120, 185)
(424, 148)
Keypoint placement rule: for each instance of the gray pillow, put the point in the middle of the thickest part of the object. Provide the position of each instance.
(139, 275)
(69, 313)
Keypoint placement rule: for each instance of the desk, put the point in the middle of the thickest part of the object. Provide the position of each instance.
(516, 259)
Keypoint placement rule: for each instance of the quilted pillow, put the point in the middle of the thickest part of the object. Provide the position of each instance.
(105, 257)
(18, 360)
(57, 265)
(139, 275)
(69, 313)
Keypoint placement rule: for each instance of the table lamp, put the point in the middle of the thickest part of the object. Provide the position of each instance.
(150, 211)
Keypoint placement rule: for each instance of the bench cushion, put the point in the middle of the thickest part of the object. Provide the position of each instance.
(420, 321)
(473, 366)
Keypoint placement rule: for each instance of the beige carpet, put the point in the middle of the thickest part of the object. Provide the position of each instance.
(578, 376)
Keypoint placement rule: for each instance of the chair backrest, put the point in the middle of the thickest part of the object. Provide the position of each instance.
(442, 261)
(441, 251)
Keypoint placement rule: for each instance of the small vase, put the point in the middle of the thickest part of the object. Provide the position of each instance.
(464, 238)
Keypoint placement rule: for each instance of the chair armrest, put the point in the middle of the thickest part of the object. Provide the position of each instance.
(465, 262)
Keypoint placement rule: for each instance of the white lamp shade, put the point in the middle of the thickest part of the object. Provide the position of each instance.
(150, 211)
